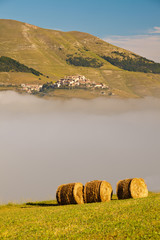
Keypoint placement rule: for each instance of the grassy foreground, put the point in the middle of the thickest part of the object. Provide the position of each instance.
(117, 219)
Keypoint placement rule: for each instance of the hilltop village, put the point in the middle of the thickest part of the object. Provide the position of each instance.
(74, 81)
(66, 82)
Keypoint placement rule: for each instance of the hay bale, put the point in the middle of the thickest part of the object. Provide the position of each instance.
(97, 191)
(123, 189)
(138, 188)
(131, 188)
(71, 193)
(58, 194)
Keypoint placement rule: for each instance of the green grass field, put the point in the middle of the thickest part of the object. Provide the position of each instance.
(117, 219)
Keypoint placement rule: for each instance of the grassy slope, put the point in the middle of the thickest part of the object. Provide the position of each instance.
(117, 219)
(17, 78)
(46, 51)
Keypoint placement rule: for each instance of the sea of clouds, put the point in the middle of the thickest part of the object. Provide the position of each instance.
(45, 143)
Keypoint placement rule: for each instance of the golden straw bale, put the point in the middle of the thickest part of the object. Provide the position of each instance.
(123, 189)
(106, 191)
(131, 188)
(91, 191)
(71, 193)
(97, 191)
(138, 188)
(58, 194)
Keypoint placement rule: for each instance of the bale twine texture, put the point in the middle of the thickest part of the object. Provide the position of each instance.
(71, 193)
(131, 188)
(97, 191)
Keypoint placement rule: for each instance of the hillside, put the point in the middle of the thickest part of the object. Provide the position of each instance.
(117, 219)
(57, 54)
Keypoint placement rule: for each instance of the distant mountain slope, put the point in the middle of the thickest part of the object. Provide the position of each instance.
(46, 50)
(57, 54)
(119, 57)
(8, 64)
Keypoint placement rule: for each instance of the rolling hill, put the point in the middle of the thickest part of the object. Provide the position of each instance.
(57, 54)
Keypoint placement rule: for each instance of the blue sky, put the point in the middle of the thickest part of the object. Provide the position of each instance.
(131, 24)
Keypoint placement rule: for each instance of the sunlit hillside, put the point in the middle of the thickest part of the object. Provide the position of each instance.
(57, 54)
(117, 219)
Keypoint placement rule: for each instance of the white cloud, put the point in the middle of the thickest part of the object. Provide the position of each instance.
(154, 30)
(145, 45)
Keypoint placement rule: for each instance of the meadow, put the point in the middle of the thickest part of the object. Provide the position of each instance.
(117, 219)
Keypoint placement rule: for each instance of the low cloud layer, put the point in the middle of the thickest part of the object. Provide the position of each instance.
(46, 143)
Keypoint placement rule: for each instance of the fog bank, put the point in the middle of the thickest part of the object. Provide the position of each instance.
(45, 143)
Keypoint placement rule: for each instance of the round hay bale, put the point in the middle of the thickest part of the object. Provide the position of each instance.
(71, 193)
(131, 188)
(58, 194)
(138, 188)
(97, 191)
(123, 189)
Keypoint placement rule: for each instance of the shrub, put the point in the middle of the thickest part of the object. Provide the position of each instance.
(84, 62)
(8, 64)
(138, 64)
